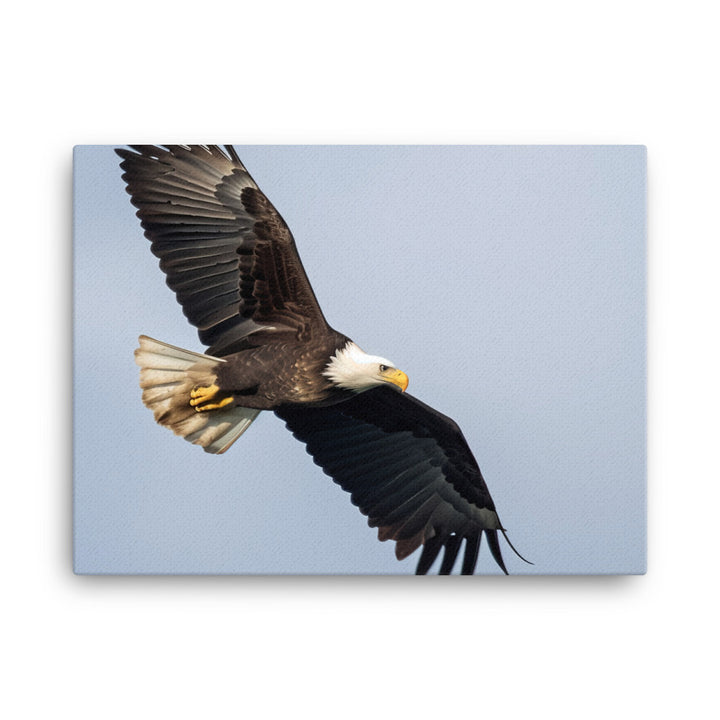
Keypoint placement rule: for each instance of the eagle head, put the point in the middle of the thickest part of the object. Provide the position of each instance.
(353, 369)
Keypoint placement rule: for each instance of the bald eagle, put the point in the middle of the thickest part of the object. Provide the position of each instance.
(232, 263)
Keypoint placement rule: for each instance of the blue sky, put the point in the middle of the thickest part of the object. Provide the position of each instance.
(508, 282)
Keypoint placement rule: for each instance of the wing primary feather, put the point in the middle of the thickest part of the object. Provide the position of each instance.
(233, 155)
(492, 538)
(472, 548)
(452, 546)
(512, 547)
(419, 518)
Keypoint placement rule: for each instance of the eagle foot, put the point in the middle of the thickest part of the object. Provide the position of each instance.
(208, 398)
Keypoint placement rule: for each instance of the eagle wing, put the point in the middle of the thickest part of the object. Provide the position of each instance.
(409, 470)
(227, 253)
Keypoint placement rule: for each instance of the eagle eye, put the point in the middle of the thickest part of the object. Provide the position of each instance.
(384, 368)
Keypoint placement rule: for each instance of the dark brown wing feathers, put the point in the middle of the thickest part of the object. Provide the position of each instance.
(227, 253)
(409, 470)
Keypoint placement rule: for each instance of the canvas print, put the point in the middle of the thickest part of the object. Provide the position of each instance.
(236, 410)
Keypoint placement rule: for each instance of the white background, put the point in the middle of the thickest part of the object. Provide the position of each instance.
(554, 72)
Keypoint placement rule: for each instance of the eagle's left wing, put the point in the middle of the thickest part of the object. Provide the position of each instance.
(227, 253)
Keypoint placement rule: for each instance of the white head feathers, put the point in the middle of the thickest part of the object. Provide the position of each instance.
(353, 369)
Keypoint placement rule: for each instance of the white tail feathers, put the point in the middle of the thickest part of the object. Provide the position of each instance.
(167, 376)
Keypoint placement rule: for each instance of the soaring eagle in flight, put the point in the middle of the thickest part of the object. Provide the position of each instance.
(233, 265)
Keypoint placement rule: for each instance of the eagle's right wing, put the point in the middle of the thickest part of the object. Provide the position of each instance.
(409, 469)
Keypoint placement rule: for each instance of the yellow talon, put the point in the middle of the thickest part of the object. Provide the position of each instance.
(200, 398)
(214, 406)
(200, 394)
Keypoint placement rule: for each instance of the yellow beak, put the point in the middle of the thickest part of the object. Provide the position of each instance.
(397, 377)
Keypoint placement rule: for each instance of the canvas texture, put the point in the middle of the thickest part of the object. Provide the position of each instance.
(508, 282)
